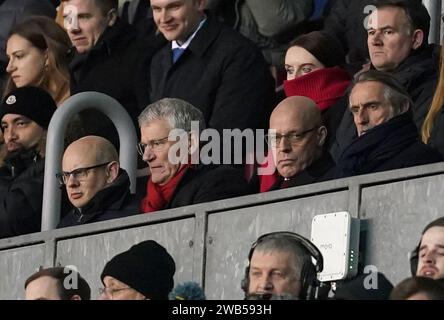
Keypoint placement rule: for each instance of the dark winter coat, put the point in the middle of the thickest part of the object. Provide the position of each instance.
(394, 144)
(205, 183)
(21, 194)
(346, 23)
(114, 201)
(419, 75)
(221, 73)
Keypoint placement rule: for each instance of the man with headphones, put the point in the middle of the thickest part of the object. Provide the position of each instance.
(280, 267)
(427, 260)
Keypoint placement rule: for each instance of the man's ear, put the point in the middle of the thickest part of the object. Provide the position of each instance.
(113, 171)
(322, 135)
(112, 17)
(417, 38)
(46, 58)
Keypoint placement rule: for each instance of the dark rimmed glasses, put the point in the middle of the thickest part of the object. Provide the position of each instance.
(78, 174)
(294, 138)
(155, 145)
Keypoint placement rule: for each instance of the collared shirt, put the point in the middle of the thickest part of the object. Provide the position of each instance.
(185, 45)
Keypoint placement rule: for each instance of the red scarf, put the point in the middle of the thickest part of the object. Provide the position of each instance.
(267, 181)
(159, 195)
(324, 86)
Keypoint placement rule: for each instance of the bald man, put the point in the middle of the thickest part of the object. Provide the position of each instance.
(296, 140)
(95, 184)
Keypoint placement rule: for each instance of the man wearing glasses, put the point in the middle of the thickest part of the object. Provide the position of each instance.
(95, 184)
(174, 180)
(296, 140)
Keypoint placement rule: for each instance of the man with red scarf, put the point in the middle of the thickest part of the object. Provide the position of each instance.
(176, 182)
(296, 140)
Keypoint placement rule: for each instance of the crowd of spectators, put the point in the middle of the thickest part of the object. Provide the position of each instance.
(363, 94)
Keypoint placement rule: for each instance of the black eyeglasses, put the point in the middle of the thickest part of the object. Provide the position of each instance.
(79, 174)
(294, 138)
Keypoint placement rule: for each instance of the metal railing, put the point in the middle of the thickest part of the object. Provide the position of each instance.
(213, 238)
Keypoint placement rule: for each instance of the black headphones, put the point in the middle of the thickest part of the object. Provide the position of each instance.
(309, 281)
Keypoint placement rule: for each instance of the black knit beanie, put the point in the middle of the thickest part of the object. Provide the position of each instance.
(31, 102)
(146, 267)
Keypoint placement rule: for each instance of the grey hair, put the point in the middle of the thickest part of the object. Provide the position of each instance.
(177, 112)
(277, 243)
(394, 93)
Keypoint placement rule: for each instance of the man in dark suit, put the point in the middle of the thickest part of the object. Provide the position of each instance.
(210, 66)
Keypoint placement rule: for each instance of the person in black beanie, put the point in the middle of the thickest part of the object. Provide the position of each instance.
(145, 271)
(25, 114)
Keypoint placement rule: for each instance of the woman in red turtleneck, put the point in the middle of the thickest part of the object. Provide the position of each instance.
(314, 64)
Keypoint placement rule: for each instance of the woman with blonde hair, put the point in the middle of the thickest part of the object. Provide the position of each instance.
(433, 126)
(39, 52)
